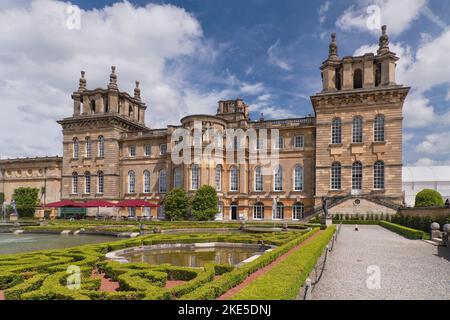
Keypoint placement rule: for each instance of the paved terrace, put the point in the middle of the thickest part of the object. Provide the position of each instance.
(409, 269)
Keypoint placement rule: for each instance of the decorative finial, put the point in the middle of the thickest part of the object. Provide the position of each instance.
(261, 116)
(113, 79)
(82, 82)
(137, 91)
(333, 49)
(384, 41)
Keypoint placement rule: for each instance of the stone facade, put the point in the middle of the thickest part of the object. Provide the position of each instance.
(40, 173)
(109, 152)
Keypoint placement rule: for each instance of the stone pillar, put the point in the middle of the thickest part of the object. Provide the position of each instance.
(369, 73)
(347, 73)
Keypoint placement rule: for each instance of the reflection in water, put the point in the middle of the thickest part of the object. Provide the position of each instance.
(14, 243)
(192, 257)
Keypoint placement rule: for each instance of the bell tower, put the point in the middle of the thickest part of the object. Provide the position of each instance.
(359, 126)
(91, 138)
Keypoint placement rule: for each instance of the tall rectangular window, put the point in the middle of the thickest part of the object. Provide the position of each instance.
(336, 131)
(75, 148)
(258, 179)
(357, 175)
(177, 178)
(132, 151)
(87, 184)
(88, 148)
(299, 142)
(298, 178)
(195, 177)
(147, 150)
(336, 176)
(218, 178)
(378, 129)
(234, 179)
(162, 181)
(101, 182)
(378, 175)
(162, 149)
(357, 130)
(74, 183)
(101, 147)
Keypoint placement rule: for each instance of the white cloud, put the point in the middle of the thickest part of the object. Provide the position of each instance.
(275, 60)
(323, 9)
(248, 71)
(436, 143)
(252, 88)
(427, 162)
(397, 14)
(408, 137)
(40, 59)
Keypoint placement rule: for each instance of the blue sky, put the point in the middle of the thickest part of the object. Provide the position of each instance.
(189, 54)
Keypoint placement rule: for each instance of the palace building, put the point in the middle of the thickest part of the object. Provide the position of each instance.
(350, 150)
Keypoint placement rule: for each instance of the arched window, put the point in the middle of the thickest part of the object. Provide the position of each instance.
(278, 179)
(336, 131)
(298, 178)
(74, 183)
(101, 182)
(357, 130)
(147, 188)
(357, 175)
(357, 79)
(336, 176)
(378, 175)
(88, 147)
(298, 211)
(162, 181)
(101, 146)
(195, 177)
(177, 178)
(258, 179)
(258, 211)
(378, 129)
(218, 178)
(75, 148)
(87, 182)
(130, 111)
(279, 212)
(131, 182)
(234, 179)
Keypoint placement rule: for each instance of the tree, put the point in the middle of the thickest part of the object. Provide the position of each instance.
(205, 203)
(429, 198)
(176, 204)
(2, 198)
(27, 199)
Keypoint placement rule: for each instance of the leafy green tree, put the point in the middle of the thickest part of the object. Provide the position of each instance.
(2, 198)
(176, 204)
(205, 203)
(27, 199)
(429, 198)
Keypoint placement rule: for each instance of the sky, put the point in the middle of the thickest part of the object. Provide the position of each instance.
(190, 54)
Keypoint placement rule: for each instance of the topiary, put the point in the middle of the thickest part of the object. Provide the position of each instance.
(205, 204)
(176, 204)
(429, 198)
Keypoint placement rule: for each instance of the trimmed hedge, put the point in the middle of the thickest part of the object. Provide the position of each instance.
(429, 198)
(404, 231)
(284, 280)
(229, 280)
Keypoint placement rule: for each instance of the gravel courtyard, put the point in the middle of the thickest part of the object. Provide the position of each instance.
(408, 269)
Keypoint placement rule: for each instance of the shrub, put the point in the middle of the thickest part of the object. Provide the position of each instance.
(27, 199)
(419, 223)
(176, 204)
(2, 198)
(429, 198)
(284, 280)
(205, 203)
(404, 231)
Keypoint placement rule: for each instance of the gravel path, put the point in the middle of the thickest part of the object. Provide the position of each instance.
(409, 269)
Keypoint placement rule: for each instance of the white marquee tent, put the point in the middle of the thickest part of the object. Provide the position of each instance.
(415, 179)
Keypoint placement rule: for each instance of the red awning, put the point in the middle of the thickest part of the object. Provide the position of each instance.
(63, 203)
(135, 203)
(98, 204)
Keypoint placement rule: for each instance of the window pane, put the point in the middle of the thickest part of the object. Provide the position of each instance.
(298, 211)
(258, 179)
(146, 181)
(336, 176)
(178, 182)
(357, 172)
(162, 181)
(218, 178)
(234, 179)
(379, 129)
(278, 179)
(357, 136)
(148, 150)
(101, 182)
(195, 179)
(298, 141)
(87, 185)
(298, 178)
(336, 132)
(131, 182)
(378, 175)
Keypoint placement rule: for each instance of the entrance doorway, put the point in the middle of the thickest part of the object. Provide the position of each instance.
(234, 211)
